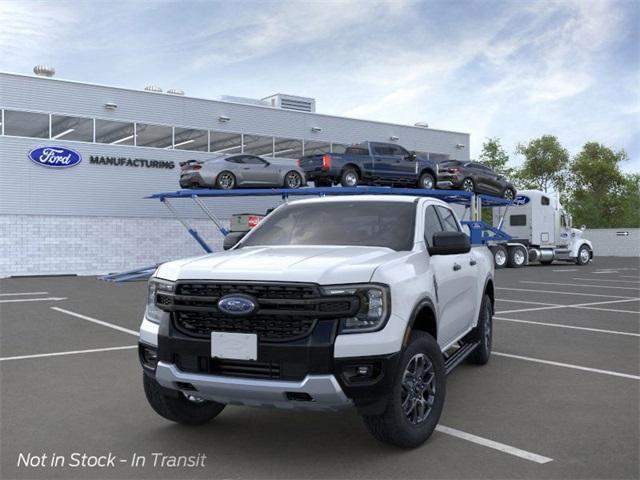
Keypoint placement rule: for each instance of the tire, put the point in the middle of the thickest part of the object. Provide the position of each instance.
(517, 257)
(584, 255)
(178, 408)
(500, 256)
(292, 180)
(225, 180)
(412, 429)
(483, 333)
(349, 177)
(427, 181)
(508, 194)
(468, 185)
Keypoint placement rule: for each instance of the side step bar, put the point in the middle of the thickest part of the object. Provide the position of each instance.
(458, 356)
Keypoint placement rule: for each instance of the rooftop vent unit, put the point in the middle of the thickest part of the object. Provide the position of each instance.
(175, 91)
(291, 102)
(44, 71)
(153, 88)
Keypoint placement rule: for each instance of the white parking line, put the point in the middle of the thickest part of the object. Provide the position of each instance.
(628, 276)
(567, 270)
(23, 293)
(19, 300)
(96, 321)
(604, 280)
(582, 285)
(572, 327)
(633, 312)
(71, 352)
(567, 365)
(529, 302)
(561, 293)
(588, 306)
(485, 442)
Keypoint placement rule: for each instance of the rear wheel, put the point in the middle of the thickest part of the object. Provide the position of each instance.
(417, 398)
(500, 256)
(517, 257)
(293, 179)
(426, 181)
(349, 178)
(226, 180)
(177, 407)
(584, 255)
(482, 333)
(468, 185)
(508, 194)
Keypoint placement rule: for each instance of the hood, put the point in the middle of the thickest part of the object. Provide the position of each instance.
(325, 265)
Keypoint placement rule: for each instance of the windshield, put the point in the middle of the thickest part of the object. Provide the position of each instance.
(368, 223)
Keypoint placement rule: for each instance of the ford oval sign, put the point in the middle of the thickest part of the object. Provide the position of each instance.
(521, 200)
(236, 305)
(55, 157)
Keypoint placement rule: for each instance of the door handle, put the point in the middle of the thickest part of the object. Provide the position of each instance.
(472, 262)
(456, 267)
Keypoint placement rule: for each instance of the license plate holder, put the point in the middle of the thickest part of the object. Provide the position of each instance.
(234, 346)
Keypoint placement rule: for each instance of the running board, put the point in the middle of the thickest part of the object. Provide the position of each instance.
(458, 356)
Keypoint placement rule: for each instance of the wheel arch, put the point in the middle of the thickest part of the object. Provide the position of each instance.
(430, 171)
(489, 289)
(354, 166)
(424, 319)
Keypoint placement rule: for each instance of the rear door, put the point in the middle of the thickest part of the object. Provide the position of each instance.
(454, 277)
(384, 161)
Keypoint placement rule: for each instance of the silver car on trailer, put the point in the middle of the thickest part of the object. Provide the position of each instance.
(241, 170)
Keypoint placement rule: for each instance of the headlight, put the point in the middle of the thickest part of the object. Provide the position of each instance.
(373, 311)
(152, 312)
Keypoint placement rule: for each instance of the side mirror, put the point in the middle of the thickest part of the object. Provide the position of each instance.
(412, 156)
(449, 243)
(231, 239)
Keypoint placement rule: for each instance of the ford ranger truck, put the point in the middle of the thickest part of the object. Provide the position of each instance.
(328, 303)
(371, 163)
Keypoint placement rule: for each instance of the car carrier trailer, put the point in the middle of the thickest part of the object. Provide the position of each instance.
(480, 232)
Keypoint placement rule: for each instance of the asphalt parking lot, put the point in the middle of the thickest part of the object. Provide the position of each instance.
(559, 398)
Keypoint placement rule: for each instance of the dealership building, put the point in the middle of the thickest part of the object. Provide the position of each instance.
(92, 217)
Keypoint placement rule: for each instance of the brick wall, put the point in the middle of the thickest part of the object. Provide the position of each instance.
(45, 245)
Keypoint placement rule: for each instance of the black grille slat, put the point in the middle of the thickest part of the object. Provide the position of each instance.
(233, 368)
(285, 311)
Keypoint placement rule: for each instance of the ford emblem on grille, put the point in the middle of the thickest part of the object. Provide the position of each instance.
(236, 304)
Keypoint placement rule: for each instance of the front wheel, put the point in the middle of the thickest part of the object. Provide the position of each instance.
(177, 407)
(293, 179)
(417, 398)
(584, 255)
(426, 181)
(509, 194)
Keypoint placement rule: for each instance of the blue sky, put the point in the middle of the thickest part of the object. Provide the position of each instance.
(514, 69)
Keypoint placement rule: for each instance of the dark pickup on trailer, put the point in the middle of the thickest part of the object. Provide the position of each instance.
(371, 163)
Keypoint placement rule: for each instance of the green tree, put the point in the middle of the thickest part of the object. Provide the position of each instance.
(600, 195)
(545, 164)
(494, 156)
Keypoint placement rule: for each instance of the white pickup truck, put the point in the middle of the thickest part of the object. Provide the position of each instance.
(365, 301)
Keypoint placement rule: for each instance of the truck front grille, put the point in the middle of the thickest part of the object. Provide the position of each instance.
(231, 368)
(285, 311)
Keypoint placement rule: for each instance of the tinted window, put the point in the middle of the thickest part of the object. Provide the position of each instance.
(368, 223)
(71, 128)
(114, 132)
(449, 221)
(252, 160)
(398, 151)
(544, 200)
(157, 136)
(26, 124)
(238, 159)
(382, 150)
(357, 151)
(518, 220)
(431, 224)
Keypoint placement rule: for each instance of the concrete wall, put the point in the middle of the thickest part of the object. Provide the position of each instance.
(609, 242)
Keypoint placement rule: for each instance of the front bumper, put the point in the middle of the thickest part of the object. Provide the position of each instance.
(301, 374)
(314, 392)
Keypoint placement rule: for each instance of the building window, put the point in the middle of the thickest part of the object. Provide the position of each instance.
(114, 133)
(225, 142)
(315, 148)
(190, 139)
(258, 145)
(71, 128)
(287, 148)
(157, 136)
(26, 124)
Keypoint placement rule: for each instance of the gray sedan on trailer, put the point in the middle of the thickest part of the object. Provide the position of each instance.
(241, 170)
